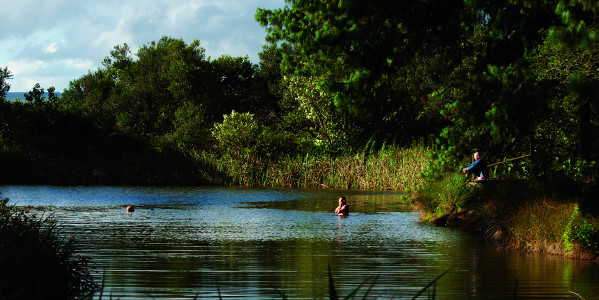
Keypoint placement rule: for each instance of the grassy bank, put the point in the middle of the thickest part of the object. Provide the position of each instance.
(36, 263)
(388, 168)
(514, 215)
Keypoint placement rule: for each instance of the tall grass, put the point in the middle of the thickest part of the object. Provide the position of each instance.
(388, 168)
(512, 213)
(538, 225)
(36, 263)
(531, 220)
(449, 194)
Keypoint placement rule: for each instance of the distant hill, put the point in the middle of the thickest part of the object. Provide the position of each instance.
(11, 96)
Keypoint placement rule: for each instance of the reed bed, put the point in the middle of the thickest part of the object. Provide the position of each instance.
(538, 226)
(390, 168)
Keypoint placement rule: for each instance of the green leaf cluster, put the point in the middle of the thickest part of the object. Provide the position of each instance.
(580, 230)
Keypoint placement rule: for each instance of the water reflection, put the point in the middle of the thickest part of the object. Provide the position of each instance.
(326, 202)
(186, 243)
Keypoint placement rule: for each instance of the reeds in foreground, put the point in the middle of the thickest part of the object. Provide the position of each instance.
(35, 262)
(431, 288)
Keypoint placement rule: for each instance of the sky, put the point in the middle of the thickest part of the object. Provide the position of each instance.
(54, 42)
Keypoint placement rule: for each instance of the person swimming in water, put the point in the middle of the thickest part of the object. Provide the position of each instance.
(343, 208)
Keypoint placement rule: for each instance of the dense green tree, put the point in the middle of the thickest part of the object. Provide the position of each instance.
(356, 50)
(568, 134)
(473, 71)
(143, 94)
(236, 78)
(190, 128)
(5, 75)
(578, 24)
(149, 90)
(37, 95)
(148, 94)
(310, 112)
(518, 94)
(237, 133)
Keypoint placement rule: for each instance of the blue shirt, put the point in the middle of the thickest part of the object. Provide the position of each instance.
(479, 166)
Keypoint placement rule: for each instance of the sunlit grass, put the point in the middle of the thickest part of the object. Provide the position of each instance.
(390, 168)
(448, 194)
(512, 214)
(539, 225)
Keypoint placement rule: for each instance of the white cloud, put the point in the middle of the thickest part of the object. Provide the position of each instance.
(66, 38)
(78, 64)
(178, 13)
(118, 35)
(26, 67)
(52, 48)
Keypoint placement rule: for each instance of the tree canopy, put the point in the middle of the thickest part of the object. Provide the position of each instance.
(504, 77)
(495, 76)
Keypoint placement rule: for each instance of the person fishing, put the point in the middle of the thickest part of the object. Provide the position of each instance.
(479, 166)
(343, 208)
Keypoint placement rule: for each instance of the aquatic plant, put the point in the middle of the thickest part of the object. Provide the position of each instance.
(36, 262)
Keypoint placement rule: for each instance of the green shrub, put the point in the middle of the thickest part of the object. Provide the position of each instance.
(274, 144)
(189, 126)
(588, 235)
(450, 193)
(36, 263)
(567, 235)
(237, 134)
(457, 192)
(580, 230)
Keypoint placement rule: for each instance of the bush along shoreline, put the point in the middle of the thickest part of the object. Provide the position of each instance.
(513, 215)
(36, 262)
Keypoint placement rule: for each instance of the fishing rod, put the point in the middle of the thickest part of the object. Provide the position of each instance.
(507, 160)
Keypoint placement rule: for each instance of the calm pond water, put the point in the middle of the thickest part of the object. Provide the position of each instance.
(183, 243)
